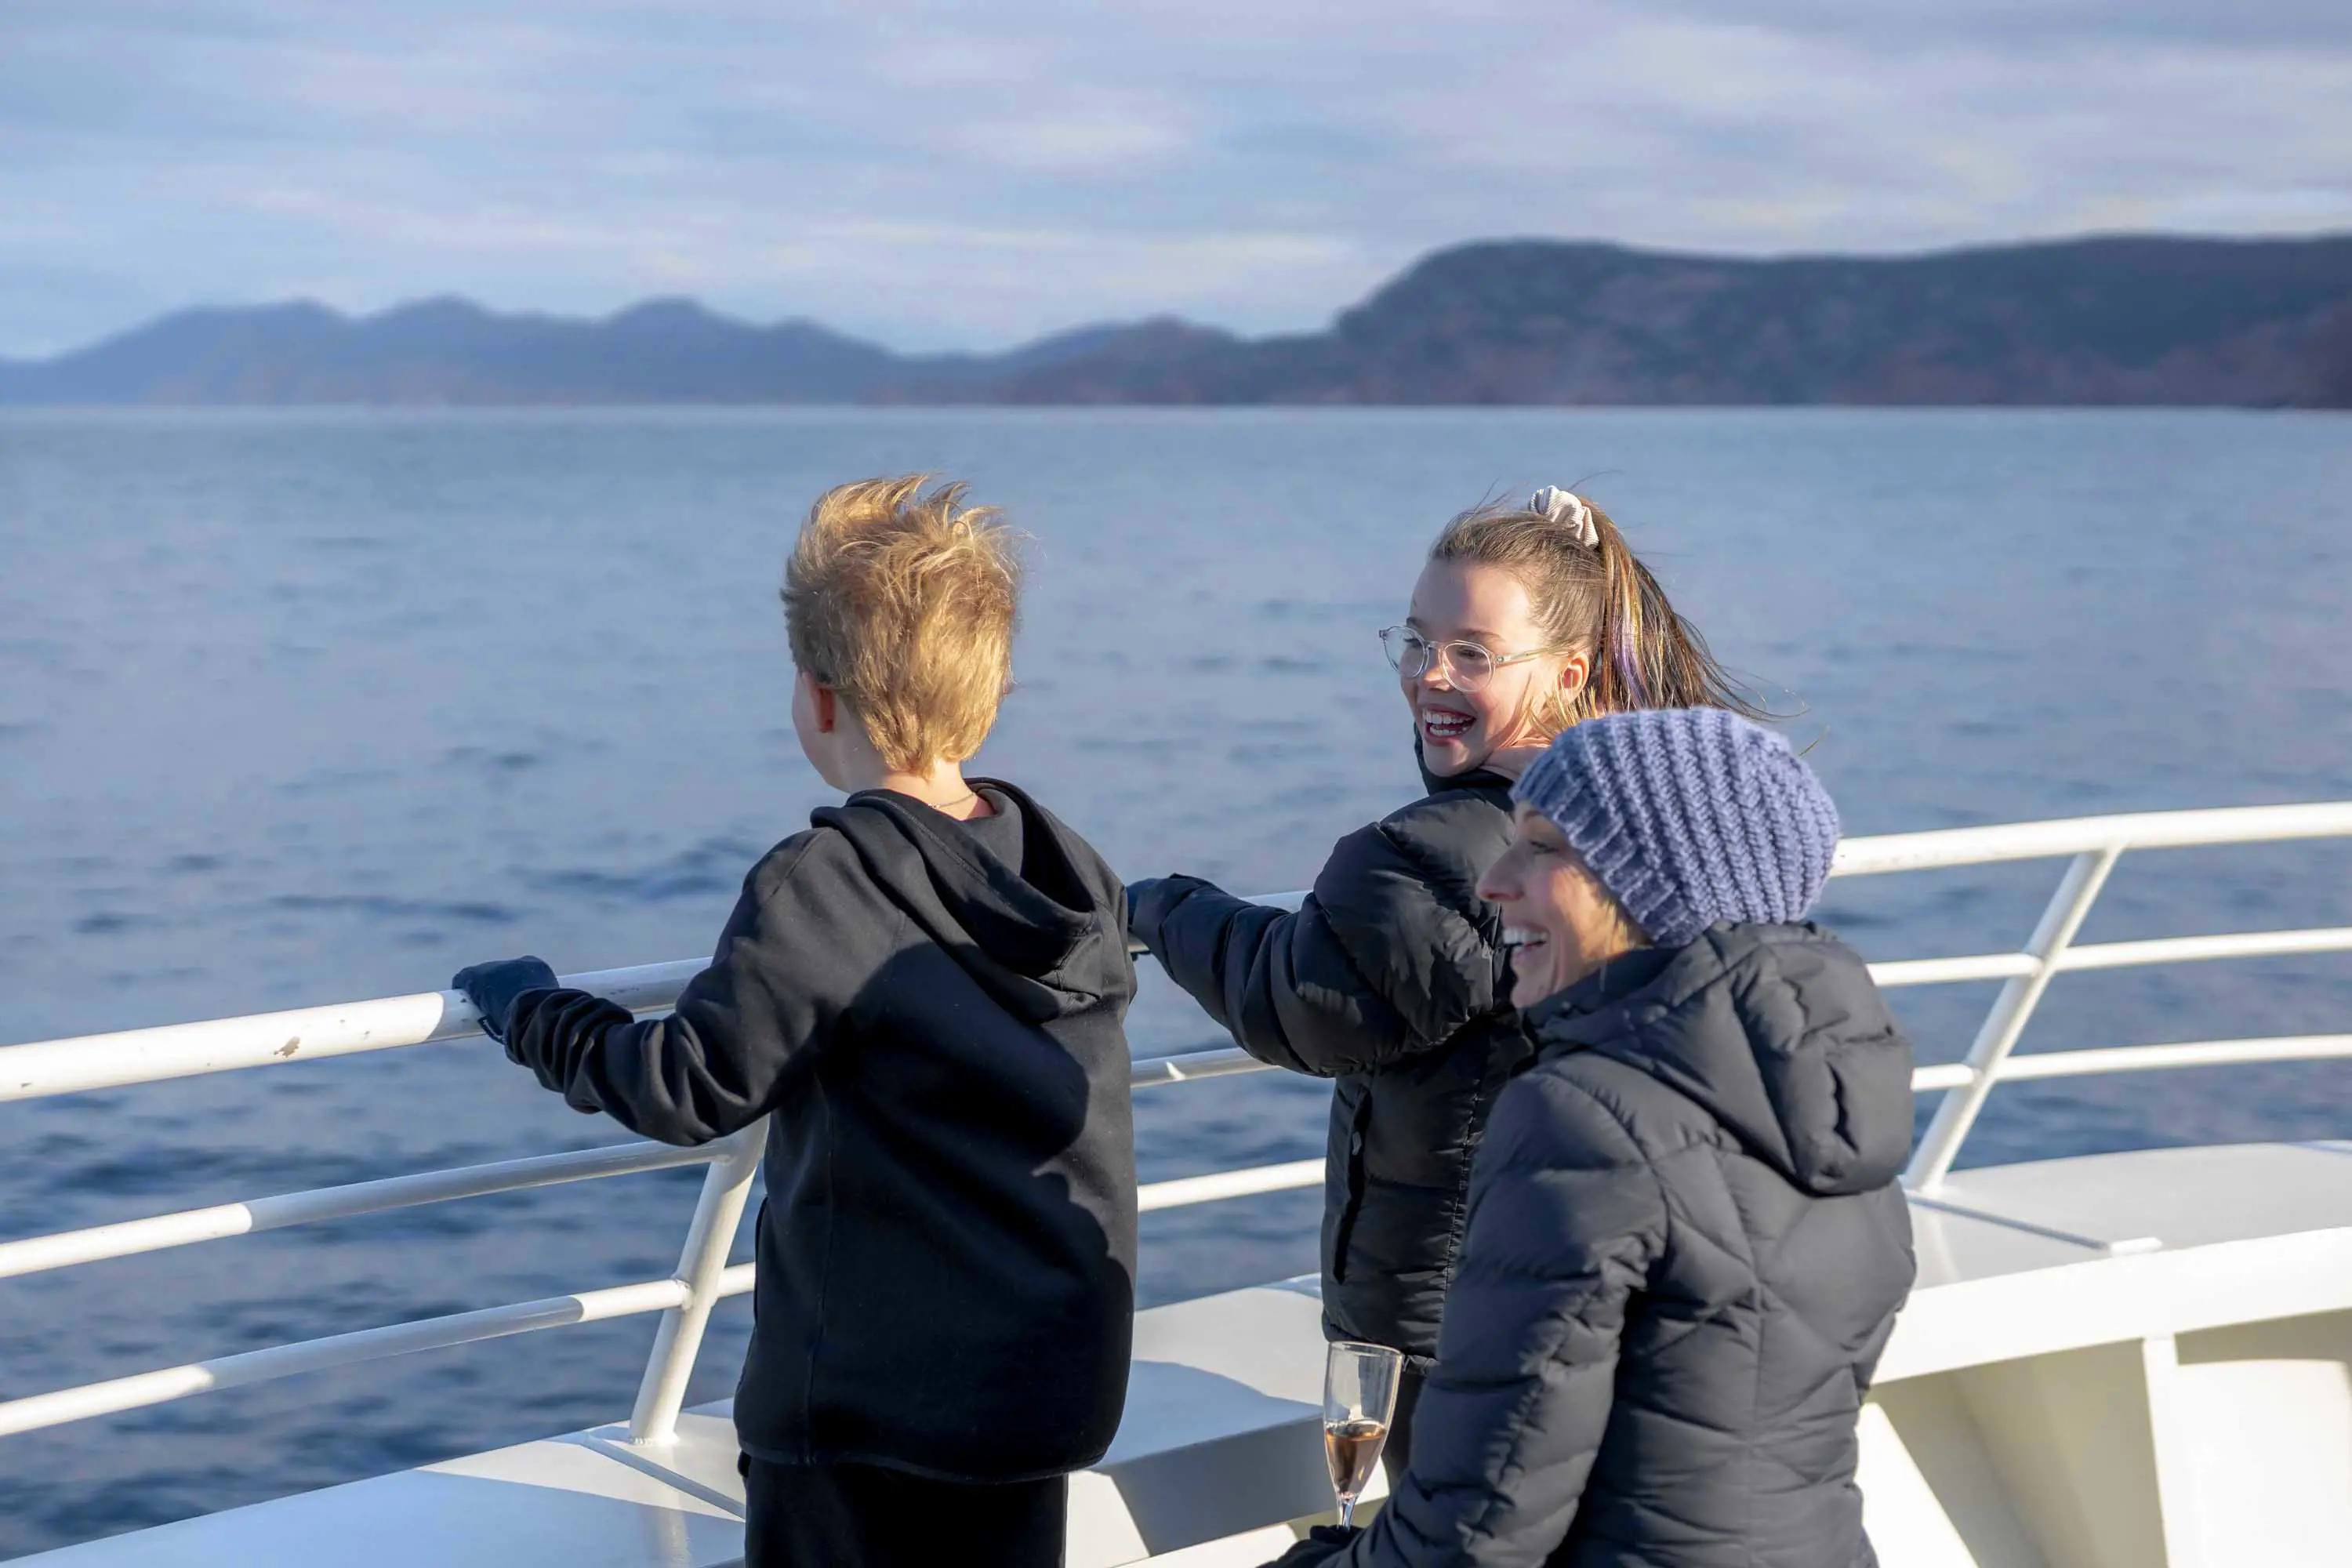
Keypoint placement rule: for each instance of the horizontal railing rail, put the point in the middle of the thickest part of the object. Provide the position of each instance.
(64, 1250)
(1943, 847)
(306, 1034)
(172, 1383)
(2092, 845)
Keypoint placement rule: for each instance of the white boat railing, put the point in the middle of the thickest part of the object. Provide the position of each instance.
(703, 1278)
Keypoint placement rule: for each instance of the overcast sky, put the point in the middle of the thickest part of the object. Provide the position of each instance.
(938, 175)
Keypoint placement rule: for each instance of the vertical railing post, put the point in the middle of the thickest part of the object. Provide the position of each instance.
(1932, 1161)
(717, 1213)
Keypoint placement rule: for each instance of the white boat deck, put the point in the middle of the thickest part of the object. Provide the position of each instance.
(1221, 1445)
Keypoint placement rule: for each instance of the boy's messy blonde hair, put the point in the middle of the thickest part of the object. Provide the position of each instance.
(904, 604)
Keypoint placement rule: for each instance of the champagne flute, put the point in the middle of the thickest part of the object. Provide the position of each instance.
(1359, 1389)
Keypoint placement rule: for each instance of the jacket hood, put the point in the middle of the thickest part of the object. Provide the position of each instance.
(1779, 1032)
(1047, 938)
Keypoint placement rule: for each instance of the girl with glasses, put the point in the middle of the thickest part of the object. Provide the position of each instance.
(1392, 979)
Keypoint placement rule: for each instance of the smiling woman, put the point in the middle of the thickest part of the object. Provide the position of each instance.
(1560, 922)
(1688, 1242)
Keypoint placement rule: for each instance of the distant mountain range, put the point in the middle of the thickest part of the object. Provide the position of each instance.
(2123, 320)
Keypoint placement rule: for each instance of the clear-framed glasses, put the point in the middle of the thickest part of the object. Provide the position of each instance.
(1468, 664)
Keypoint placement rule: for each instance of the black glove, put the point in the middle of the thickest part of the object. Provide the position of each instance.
(1150, 902)
(1323, 1543)
(493, 987)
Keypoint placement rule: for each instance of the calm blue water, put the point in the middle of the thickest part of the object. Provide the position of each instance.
(303, 708)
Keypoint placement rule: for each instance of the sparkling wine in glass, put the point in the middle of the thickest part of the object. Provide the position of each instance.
(1359, 1389)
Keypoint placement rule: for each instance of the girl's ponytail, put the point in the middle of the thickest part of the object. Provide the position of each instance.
(1592, 595)
(1646, 654)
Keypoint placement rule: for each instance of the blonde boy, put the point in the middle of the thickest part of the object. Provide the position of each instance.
(924, 993)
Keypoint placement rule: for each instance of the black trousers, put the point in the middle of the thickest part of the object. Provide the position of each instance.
(863, 1516)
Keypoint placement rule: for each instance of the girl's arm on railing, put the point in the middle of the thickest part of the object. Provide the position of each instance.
(1362, 974)
(1272, 979)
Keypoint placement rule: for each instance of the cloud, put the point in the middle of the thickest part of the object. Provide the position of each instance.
(903, 169)
(1106, 136)
(477, 229)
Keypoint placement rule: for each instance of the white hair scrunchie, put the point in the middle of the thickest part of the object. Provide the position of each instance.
(1568, 506)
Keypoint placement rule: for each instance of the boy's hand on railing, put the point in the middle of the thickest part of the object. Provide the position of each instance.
(493, 987)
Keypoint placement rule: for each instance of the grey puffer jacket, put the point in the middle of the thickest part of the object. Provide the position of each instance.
(1685, 1251)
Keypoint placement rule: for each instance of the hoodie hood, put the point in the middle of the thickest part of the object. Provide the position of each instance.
(1779, 1032)
(1046, 938)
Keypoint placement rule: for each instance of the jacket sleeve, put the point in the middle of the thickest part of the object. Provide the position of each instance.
(1897, 1212)
(1378, 963)
(1567, 1220)
(743, 1030)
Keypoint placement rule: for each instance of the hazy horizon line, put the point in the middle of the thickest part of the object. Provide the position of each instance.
(360, 314)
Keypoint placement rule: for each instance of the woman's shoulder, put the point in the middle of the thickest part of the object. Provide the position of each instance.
(1584, 1101)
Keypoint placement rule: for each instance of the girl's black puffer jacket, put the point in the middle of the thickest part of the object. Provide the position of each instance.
(1391, 980)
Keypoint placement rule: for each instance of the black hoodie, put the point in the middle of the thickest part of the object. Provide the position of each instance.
(947, 1252)
(1686, 1247)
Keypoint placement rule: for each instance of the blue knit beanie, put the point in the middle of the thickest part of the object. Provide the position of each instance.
(1688, 815)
